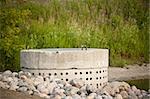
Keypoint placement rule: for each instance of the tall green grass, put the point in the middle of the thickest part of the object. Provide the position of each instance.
(121, 26)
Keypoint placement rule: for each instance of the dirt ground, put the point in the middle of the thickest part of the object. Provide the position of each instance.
(115, 73)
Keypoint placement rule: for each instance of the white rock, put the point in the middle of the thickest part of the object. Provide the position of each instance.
(68, 97)
(38, 80)
(44, 95)
(124, 94)
(58, 91)
(118, 96)
(1, 77)
(91, 96)
(134, 88)
(74, 90)
(13, 87)
(23, 77)
(7, 73)
(90, 89)
(51, 87)
(77, 83)
(76, 96)
(15, 74)
(22, 89)
(42, 88)
(30, 92)
(138, 92)
(61, 85)
(109, 90)
(4, 85)
(21, 83)
(57, 97)
(98, 97)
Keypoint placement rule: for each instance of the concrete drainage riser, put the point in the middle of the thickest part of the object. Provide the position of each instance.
(90, 65)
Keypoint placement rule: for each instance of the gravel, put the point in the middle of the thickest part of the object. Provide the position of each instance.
(50, 88)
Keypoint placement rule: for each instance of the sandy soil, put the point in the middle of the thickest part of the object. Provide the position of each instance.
(127, 73)
(130, 72)
(8, 94)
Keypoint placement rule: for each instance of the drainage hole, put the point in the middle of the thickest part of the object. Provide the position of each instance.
(100, 77)
(96, 78)
(66, 73)
(86, 72)
(32, 73)
(61, 79)
(49, 74)
(39, 73)
(55, 74)
(99, 71)
(61, 73)
(97, 85)
(86, 78)
(100, 84)
(90, 78)
(75, 73)
(66, 79)
(90, 72)
(80, 72)
(103, 70)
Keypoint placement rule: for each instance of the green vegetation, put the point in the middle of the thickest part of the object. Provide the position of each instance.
(119, 25)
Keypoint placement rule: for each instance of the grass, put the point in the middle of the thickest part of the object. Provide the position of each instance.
(121, 26)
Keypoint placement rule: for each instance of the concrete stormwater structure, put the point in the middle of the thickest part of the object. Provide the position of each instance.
(90, 65)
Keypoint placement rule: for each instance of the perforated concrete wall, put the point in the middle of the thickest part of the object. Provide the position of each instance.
(90, 65)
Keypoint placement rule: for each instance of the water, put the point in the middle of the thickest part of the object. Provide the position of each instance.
(140, 83)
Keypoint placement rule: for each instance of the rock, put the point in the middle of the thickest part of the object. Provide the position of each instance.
(38, 80)
(74, 90)
(76, 96)
(77, 83)
(21, 83)
(132, 95)
(20, 73)
(7, 73)
(31, 87)
(4, 85)
(27, 74)
(117, 84)
(134, 88)
(61, 85)
(51, 86)
(98, 97)
(68, 97)
(57, 97)
(149, 91)
(13, 87)
(105, 97)
(59, 91)
(124, 94)
(30, 92)
(138, 92)
(14, 74)
(118, 96)
(44, 95)
(1, 77)
(42, 88)
(22, 89)
(90, 89)
(7, 79)
(91, 96)
(29, 81)
(109, 90)
(23, 77)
